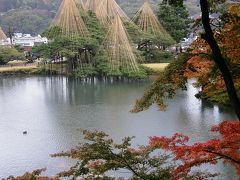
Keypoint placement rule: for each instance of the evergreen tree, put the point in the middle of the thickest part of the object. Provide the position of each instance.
(175, 18)
(174, 2)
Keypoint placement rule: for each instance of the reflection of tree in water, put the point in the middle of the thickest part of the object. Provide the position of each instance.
(196, 115)
(217, 109)
(54, 88)
(98, 104)
(10, 83)
(105, 91)
(82, 93)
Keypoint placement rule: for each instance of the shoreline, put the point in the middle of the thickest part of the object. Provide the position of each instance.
(35, 70)
(18, 70)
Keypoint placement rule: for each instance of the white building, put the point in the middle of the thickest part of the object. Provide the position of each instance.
(186, 42)
(24, 40)
(28, 40)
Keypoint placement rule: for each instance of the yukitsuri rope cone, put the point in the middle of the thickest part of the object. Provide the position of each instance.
(119, 49)
(69, 20)
(148, 22)
(91, 5)
(80, 2)
(107, 10)
(2, 35)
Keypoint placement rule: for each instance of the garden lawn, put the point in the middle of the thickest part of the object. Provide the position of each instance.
(158, 67)
(17, 68)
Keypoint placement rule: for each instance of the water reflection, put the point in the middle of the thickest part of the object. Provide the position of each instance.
(52, 109)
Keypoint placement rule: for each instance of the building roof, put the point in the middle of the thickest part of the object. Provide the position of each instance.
(2, 35)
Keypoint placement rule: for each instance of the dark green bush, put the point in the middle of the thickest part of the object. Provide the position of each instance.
(7, 54)
(158, 56)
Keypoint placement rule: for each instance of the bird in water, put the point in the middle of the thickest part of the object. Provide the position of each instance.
(24, 132)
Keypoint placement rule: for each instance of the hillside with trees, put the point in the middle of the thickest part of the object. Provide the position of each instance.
(27, 16)
(33, 16)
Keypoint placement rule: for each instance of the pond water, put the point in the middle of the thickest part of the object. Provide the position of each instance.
(52, 109)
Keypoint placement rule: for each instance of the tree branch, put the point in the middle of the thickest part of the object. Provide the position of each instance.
(223, 156)
(127, 164)
(218, 58)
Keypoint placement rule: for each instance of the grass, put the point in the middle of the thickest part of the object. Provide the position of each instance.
(158, 67)
(16, 63)
(17, 69)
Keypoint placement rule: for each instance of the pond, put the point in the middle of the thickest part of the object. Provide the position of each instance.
(53, 109)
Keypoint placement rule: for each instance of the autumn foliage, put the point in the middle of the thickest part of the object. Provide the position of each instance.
(225, 147)
(100, 154)
(201, 65)
(198, 63)
(35, 175)
(162, 158)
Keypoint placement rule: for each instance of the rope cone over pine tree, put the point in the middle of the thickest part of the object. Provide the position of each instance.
(91, 5)
(108, 10)
(148, 22)
(118, 46)
(2, 35)
(69, 21)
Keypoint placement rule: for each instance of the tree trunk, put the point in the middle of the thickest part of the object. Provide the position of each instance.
(70, 65)
(218, 58)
